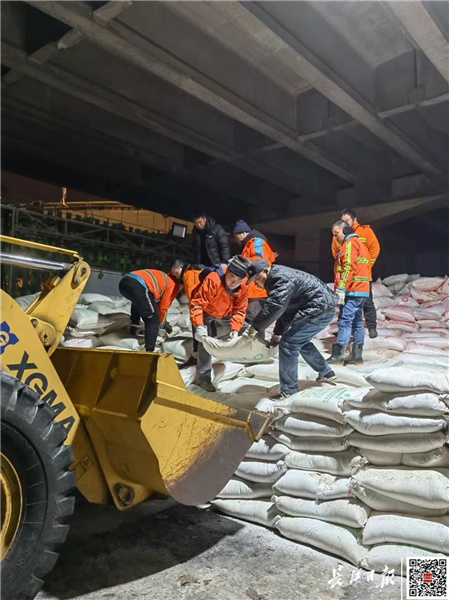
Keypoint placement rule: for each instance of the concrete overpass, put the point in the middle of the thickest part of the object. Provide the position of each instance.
(255, 110)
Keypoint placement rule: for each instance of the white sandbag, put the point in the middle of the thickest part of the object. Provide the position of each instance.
(424, 361)
(397, 288)
(122, 339)
(419, 405)
(393, 279)
(223, 371)
(88, 342)
(382, 503)
(310, 484)
(184, 320)
(380, 290)
(384, 302)
(400, 312)
(393, 555)
(389, 343)
(407, 378)
(398, 443)
(311, 444)
(338, 463)
(241, 349)
(267, 449)
(443, 290)
(355, 376)
(324, 402)
(428, 349)
(345, 511)
(245, 385)
(108, 309)
(90, 298)
(424, 460)
(446, 309)
(431, 533)
(370, 422)
(180, 348)
(260, 472)
(376, 355)
(188, 375)
(436, 311)
(382, 459)
(442, 330)
(325, 536)
(83, 318)
(304, 425)
(257, 511)
(425, 324)
(417, 336)
(25, 301)
(405, 326)
(245, 490)
(406, 300)
(269, 371)
(250, 401)
(421, 296)
(384, 332)
(422, 487)
(427, 284)
(263, 405)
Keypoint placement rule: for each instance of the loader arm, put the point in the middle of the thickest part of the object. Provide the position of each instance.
(51, 310)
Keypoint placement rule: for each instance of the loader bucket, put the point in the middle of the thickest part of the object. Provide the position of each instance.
(149, 434)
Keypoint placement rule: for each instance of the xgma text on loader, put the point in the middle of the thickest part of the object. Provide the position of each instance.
(114, 424)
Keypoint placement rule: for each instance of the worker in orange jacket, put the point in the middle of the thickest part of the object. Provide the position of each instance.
(352, 285)
(254, 247)
(151, 293)
(187, 275)
(221, 298)
(368, 237)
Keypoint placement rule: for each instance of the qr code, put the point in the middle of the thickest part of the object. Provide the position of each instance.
(427, 578)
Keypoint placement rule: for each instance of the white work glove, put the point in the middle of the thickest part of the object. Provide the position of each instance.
(275, 340)
(233, 335)
(250, 333)
(341, 296)
(200, 333)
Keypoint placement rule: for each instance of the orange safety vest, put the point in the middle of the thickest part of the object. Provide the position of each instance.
(162, 288)
(255, 249)
(352, 267)
(367, 237)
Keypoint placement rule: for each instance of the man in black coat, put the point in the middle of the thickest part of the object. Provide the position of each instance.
(302, 306)
(210, 242)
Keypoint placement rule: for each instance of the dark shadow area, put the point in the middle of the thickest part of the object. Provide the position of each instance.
(106, 547)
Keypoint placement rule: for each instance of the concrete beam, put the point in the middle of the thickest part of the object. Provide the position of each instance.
(103, 15)
(423, 30)
(166, 66)
(272, 37)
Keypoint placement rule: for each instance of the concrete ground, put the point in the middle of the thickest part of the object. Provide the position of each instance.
(164, 551)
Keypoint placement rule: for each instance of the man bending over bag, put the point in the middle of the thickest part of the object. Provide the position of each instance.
(302, 306)
(221, 298)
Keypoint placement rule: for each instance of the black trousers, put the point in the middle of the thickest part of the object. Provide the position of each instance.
(143, 306)
(369, 310)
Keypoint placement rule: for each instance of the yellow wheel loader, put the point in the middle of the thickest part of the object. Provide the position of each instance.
(114, 424)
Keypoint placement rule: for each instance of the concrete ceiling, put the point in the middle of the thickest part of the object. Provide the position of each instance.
(254, 110)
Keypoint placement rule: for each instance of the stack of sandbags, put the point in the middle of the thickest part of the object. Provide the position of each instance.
(362, 473)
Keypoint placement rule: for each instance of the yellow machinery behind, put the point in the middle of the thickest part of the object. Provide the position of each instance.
(116, 424)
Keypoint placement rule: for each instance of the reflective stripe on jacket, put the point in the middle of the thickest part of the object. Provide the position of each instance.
(256, 247)
(162, 288)
(212, 298)
(366, 236)
(352, 267)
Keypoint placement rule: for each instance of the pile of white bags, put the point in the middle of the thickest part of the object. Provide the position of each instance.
(360, 472)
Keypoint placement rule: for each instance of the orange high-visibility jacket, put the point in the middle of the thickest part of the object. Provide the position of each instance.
(256, 248)
(212, 298)
(190, 281)
(352, 267)
(368, 237)
(162, 288)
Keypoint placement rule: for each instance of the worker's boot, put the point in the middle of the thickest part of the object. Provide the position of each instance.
(337, 355)
(329, 377)
(207, 385)
(356, 355)
(372, 333)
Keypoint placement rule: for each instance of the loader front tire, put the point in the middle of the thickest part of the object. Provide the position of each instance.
(35, 489)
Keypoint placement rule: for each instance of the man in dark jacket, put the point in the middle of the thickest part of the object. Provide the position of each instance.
(210, 242)
(302, 306)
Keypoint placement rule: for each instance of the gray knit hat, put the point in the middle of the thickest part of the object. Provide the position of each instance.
(239, 266)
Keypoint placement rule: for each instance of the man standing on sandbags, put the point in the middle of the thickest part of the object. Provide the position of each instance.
(221, 298)
(352, 284)
(210, 242)
(151, 293)
(254, 247)
(367, 237)
(302, 306)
